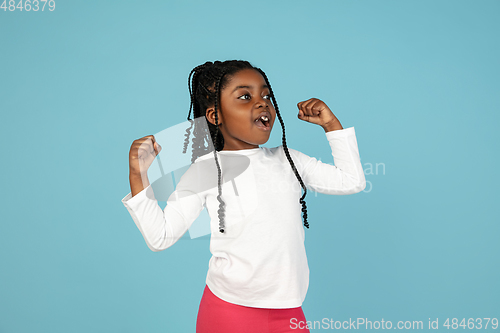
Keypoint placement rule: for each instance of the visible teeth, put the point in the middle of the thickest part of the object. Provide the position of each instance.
(264, 118)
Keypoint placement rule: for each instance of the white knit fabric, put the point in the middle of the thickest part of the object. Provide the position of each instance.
(260, 260)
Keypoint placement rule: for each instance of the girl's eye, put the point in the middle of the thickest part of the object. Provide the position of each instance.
(268, 96)
(243, 96)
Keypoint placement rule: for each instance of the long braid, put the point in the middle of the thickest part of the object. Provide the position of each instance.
(222, 204)
(198, 145)
(287, 153)
(201, 95)
(186, 141)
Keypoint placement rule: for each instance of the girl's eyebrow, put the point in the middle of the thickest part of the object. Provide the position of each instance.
(250, 87)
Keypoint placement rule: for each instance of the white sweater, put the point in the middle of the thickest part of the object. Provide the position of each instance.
(260, 260)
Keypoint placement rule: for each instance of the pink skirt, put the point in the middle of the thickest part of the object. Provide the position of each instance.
(218, 316)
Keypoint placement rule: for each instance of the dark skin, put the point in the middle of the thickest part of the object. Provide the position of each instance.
(241, 106)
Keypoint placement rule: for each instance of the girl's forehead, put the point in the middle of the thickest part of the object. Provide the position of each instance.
(247, 74)
(247, 77)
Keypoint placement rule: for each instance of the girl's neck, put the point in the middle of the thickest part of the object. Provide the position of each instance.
(240, 151)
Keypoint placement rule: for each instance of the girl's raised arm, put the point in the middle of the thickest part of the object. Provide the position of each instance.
(159, 228)
(346, 176)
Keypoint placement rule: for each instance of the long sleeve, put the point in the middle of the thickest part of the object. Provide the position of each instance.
(163, 228)
(346, 176)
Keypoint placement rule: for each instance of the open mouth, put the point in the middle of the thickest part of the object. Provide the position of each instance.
(263, 122)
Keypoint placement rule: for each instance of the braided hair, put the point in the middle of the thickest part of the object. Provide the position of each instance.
(208, 80)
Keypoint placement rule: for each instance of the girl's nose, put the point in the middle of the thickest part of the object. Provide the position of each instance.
(262, 101)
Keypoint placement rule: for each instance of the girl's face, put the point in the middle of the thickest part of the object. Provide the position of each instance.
(245, 98)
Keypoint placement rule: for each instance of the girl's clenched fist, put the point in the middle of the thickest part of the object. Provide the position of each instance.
(317, 112)
(142, 153)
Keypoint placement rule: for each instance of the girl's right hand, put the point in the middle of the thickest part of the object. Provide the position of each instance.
(142, 153)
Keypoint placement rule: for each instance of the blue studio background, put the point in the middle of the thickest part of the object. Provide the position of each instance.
(419, 81)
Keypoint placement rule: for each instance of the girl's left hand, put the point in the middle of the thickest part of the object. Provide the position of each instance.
(317, 112)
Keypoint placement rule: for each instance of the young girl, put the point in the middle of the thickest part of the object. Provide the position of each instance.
(258, 274)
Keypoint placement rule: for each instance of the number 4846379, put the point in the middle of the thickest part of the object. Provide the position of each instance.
(478, 323)
(29, 5)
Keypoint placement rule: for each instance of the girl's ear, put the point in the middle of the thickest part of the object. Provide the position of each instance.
(210, 114)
